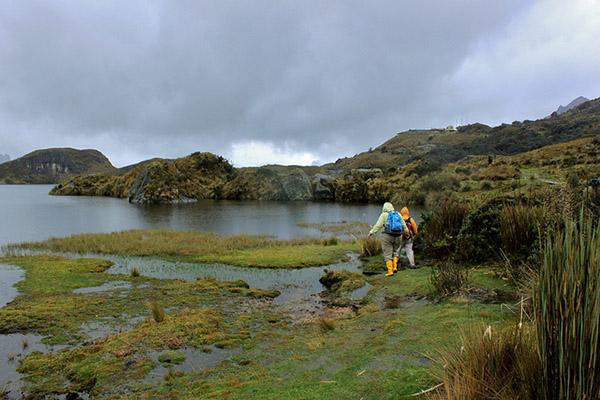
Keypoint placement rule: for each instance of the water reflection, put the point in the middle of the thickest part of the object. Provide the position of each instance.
(28, 213)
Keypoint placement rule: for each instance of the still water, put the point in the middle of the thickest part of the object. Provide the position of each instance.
(28, 213)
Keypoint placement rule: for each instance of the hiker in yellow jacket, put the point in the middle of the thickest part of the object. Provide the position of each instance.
(389, 243)
(407, 240)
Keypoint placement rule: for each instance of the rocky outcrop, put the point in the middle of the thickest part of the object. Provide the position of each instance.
(296, 185)
(323, 187)
(158, 183)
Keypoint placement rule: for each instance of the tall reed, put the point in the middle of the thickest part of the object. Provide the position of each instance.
(566, 302)
(519, 225)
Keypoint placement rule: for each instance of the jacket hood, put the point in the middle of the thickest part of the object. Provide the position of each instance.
(387, 207)
(404, 212)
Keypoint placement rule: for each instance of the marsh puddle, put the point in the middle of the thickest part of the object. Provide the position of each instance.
(14, 347)
(9, 276)
(196, 360)
(109, 286)
(295, 285)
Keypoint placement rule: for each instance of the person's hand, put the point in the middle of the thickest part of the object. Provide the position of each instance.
(368, 236)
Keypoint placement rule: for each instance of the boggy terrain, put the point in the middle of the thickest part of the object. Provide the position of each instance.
(130, 335)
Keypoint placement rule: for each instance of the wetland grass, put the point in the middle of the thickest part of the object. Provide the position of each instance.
(490, 363)
(161, 242)
(157, 312)
(326, 324)
(204, 247)
(135, 272)
(369, 247)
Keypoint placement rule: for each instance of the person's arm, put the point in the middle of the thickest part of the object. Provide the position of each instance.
(378, 225)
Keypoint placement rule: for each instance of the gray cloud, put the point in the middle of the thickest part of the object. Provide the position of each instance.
(142, 79)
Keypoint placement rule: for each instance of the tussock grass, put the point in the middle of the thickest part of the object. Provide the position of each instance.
(369, 247)
(441, 228)
(157, 312)
(490, 363)
(326, 324)
(449, 278)
(332, 241)
(135, 272)
(519, 227)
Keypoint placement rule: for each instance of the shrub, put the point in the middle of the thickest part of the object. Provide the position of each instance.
(479, 238)
(449, 278)
(441, 228)
(439, 182)
(460, 170)
(566, 302)
(485, 185)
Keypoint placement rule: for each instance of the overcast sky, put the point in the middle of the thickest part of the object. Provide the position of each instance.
(286, 82)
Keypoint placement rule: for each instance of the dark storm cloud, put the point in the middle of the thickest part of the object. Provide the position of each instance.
(150, 78)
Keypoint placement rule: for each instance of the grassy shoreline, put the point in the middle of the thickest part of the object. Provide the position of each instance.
(387, 336)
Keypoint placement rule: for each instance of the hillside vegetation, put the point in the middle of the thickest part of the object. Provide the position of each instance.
(413, 166)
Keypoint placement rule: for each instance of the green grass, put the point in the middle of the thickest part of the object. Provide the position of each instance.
(376, 352)
(281, 257)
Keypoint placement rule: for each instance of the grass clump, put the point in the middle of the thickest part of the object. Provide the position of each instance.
(449, 278)
(135, 272)
(489, 364)
(157, 312)
(170, 358)
(370, 247)
(326, 324)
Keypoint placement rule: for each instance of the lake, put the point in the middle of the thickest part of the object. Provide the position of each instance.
(28, 213)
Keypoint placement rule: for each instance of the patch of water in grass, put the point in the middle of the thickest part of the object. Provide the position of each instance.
(294, 284)
(14, 347)
(114, 285)
(196, 360)
(9, 275)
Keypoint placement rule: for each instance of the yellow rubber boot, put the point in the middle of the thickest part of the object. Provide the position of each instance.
(395, 264)
(390, 266)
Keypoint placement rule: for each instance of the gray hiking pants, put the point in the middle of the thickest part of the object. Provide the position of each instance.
(407, 245)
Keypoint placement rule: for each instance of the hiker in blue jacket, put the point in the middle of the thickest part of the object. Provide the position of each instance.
(390, 242)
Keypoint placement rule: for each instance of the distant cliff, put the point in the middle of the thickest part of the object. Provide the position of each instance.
(51, 166)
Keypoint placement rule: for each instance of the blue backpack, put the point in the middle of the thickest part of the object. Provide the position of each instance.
(393, 226)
